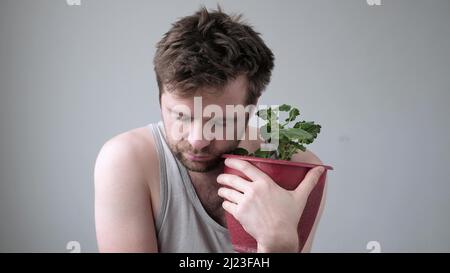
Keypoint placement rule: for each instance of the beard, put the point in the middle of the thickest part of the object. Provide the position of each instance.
(183, 146)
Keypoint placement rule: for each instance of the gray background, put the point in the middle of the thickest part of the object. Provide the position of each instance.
(377, 78)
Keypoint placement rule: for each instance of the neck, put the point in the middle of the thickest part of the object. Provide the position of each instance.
(206, 187)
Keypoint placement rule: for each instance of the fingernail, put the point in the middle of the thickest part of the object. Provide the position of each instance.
(228, 162)
(321, 169)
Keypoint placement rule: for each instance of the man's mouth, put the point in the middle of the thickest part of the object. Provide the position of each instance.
(197, 157)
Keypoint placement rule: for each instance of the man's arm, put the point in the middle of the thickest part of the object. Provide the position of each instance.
(123, 211)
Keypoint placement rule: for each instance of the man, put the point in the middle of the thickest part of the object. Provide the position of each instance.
(160, 188)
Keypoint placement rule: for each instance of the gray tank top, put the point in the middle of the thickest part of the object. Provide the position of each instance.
(183, 225)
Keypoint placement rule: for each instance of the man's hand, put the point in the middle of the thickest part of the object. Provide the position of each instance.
(269, 213)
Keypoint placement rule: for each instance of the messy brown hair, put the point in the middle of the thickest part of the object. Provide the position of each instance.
(208, 49)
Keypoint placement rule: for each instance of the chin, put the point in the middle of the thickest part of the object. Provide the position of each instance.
(200, 166)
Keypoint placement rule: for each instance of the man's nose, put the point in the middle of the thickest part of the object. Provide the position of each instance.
(196, 138)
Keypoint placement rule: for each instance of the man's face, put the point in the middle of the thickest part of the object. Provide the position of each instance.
(188, 126)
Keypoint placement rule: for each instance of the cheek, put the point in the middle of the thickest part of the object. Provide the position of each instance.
(175, 130)
(224, 145)
(240, 131)
(229, 132)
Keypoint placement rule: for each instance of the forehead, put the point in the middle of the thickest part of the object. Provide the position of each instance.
(234, 93)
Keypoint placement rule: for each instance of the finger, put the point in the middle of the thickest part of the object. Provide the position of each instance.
(246, 168)
(234, 182)
(230, 195)
(230, 207)
(310, 180)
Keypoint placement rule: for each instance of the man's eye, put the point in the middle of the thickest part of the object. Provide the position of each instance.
(182, 117)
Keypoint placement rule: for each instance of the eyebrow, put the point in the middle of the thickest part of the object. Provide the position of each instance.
(188, 116)
(175, 112)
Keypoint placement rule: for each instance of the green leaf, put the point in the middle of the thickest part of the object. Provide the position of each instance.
(299, 146)
(293, 114)
(272, 115)
(284, 108)
(310, 127)
(240, 151)
(265, 132)
(263, 154)
(275, 134)
(262, 114)
(290, 138)
(295, 133)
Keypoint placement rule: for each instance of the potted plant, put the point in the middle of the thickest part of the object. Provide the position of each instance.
(291, 136)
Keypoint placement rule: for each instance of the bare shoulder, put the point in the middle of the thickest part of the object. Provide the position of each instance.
(307, 157)
(132, 151)
(132, 140)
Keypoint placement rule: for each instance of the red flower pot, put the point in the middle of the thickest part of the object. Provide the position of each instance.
(288, 175)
